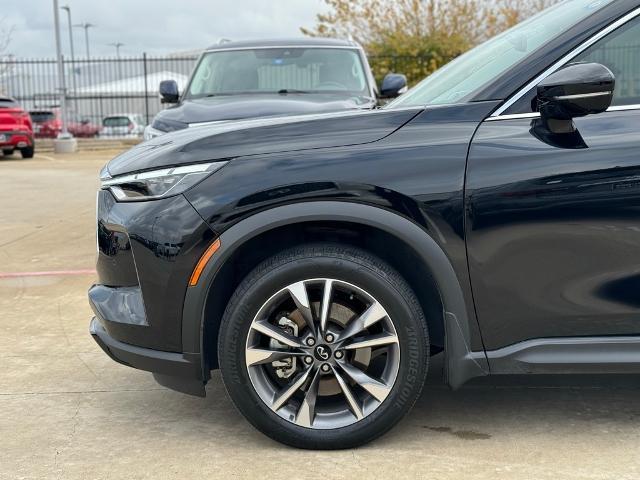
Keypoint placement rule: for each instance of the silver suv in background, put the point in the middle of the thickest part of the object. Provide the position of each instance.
(123, 125)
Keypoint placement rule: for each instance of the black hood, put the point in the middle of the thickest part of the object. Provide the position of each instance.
(260, 136)
(237, 107)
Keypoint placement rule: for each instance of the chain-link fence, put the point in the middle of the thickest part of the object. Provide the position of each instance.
(120, 95)
(101, 92)
(122, 92)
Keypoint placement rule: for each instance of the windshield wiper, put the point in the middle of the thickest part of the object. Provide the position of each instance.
(284, 91)
(223, 94)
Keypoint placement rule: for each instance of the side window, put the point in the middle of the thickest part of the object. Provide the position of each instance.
(620, 52)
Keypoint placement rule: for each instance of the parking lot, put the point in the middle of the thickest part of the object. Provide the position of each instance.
(68, 411)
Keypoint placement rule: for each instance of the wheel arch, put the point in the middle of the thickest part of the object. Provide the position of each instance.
(200, 307)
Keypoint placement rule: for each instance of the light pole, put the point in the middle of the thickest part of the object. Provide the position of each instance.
(73, 56)
(65, 142)
(86, 27)
(118, 45)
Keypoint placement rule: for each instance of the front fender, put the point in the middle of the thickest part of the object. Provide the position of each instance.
(461, 363)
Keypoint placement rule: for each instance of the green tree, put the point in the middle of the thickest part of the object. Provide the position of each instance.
(422, 34)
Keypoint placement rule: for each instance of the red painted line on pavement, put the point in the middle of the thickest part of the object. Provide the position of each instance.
(51, 273)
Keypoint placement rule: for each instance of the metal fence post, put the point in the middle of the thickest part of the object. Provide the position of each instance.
(146, 87)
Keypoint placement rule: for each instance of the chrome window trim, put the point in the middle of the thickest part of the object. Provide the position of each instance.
(520, 116)
(623, 108)
(514, 116)
(564, 60)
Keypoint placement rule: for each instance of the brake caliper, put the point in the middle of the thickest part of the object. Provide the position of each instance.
(286, 367)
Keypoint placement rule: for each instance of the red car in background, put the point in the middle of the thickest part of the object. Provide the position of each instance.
(48, 124)
(16, 130)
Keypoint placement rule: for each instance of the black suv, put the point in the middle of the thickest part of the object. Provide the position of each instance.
(491, 213)
(251, 79)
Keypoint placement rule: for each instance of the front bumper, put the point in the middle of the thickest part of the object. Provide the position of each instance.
(146, 253)
(178, 371)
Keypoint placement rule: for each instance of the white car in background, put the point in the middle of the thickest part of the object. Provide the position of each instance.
(123, 125)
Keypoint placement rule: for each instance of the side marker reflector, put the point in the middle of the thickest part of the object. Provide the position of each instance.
(206, 256)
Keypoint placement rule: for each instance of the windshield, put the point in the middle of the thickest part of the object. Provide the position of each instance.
(476, 68)
(279, 70)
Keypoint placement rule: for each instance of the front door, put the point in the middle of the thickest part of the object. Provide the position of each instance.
(553, 221)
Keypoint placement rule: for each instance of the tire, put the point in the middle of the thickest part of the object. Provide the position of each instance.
(7, 151)
(27, 152)
(376, 284)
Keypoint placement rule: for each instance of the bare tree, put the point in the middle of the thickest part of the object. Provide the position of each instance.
(6, 32)
(436, 31)
(472, 20)
(6, 64)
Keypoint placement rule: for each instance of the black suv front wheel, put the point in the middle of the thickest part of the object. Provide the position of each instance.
(324, 346)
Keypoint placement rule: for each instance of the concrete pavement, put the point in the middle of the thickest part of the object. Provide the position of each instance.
(67, 411)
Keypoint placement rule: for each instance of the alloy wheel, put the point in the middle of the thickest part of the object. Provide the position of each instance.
(322, 353)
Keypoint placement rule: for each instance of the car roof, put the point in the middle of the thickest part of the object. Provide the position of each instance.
(286, 42)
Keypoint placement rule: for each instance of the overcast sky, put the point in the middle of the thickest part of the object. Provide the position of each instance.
(153, 26)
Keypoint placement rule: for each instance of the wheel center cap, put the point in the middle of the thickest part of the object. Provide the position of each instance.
(322, 353)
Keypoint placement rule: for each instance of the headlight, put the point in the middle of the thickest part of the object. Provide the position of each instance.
(158, 183)
(150, 132)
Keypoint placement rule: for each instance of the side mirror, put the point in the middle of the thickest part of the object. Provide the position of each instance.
(169, 91)
(575, 91)
(393, 85)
